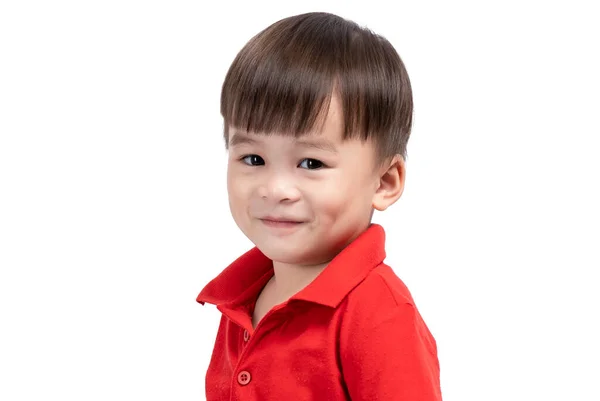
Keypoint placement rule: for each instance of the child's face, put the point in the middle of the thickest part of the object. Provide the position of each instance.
(301, 200)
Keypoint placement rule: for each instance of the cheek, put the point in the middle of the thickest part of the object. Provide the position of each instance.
(344, 195)
(235, 179)
(331, 198)
(235, 189)
(241, 191)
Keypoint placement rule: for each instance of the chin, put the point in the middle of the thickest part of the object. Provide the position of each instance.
(288, 256)
(294, 255)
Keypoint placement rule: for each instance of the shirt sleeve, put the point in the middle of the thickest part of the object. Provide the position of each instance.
(388, 353)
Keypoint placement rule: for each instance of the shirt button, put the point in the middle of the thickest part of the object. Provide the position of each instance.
(246, 335)
(244, 377)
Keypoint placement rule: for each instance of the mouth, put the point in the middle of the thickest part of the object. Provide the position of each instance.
(280, 223)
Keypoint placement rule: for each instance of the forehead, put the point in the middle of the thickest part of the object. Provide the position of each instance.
(313, 141)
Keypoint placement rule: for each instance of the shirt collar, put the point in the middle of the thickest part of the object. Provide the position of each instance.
(241, 281)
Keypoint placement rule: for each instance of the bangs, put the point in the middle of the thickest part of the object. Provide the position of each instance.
(282, 82)
(270, 97)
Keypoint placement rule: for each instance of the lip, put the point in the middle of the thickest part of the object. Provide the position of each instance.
(280, 219)
(280, 223)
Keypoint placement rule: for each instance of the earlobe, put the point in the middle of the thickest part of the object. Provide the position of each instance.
(391, 184)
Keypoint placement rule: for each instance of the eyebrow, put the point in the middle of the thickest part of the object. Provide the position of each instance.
(240, 139)
(319, 144)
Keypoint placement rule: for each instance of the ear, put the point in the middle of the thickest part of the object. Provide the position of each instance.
(391, 183)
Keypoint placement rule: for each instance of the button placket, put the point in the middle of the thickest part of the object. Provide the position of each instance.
(244, 377)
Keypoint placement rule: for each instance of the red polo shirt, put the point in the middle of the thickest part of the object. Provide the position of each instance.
(354, 333)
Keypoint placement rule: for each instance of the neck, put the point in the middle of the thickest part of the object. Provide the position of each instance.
(289, 279)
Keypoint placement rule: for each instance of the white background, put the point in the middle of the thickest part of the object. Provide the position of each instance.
(113, 207)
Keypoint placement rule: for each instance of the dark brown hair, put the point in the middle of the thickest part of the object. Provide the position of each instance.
(284, 77)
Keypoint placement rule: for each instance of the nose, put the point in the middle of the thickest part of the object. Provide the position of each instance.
(279, 187)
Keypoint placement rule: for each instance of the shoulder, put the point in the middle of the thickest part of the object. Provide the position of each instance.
(385, 349)
(382, 288)
(383, 300)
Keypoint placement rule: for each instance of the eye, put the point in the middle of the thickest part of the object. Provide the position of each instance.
(311, 164)
(253, 160)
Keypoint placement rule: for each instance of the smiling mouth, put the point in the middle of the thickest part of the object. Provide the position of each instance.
(281, 223)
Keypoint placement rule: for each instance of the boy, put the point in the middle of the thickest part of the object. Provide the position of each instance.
(317, 114)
